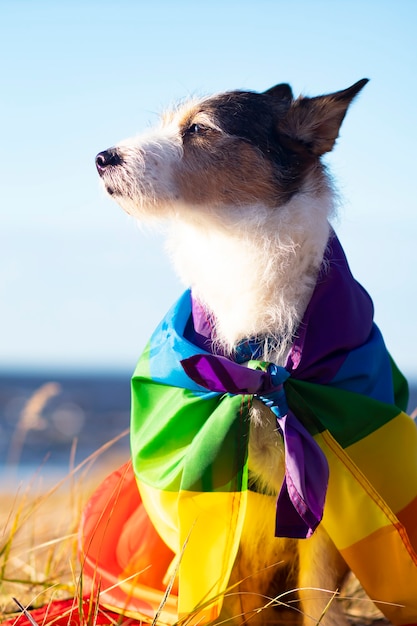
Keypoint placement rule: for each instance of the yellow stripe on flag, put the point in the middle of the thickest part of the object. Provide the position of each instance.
(388, 459)
(369, 536)
(353, 508)
(204, 530)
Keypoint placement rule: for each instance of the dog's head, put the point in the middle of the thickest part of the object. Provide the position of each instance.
(236, 149)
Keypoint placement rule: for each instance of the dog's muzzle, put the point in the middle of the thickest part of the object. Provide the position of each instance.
(107, 159)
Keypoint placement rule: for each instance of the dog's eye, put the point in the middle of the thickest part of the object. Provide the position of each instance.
(196, 129)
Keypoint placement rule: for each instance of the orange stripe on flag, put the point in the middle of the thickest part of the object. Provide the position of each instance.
(408, 516)
(385, 553)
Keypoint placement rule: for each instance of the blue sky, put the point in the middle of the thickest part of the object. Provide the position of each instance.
(81, 286)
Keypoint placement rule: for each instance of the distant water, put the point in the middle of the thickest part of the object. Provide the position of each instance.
(41, 415)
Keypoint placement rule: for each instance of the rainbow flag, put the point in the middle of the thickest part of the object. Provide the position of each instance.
(351, 451)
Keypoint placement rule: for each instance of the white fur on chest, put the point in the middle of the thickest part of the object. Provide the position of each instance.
(255, 276)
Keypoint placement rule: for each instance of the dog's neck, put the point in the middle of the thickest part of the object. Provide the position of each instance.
(254, 280)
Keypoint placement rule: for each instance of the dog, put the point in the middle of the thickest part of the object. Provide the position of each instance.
(239, 179)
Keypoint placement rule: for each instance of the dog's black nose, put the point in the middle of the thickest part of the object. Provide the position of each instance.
(107, 158)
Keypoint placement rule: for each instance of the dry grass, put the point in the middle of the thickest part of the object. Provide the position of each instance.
(38, 535)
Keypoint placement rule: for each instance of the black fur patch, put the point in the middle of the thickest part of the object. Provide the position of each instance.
(254, 117)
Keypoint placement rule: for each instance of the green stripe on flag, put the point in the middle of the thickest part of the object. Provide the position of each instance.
(348, 416)
(191, 442)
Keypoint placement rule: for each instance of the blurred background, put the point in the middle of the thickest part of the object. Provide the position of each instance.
(81, 286)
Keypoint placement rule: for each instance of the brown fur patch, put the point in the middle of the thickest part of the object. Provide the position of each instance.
(217, 169)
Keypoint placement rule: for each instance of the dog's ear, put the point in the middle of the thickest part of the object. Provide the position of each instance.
(312, 124)
(282, 92)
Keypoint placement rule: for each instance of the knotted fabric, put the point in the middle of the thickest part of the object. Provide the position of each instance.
(301, 499)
